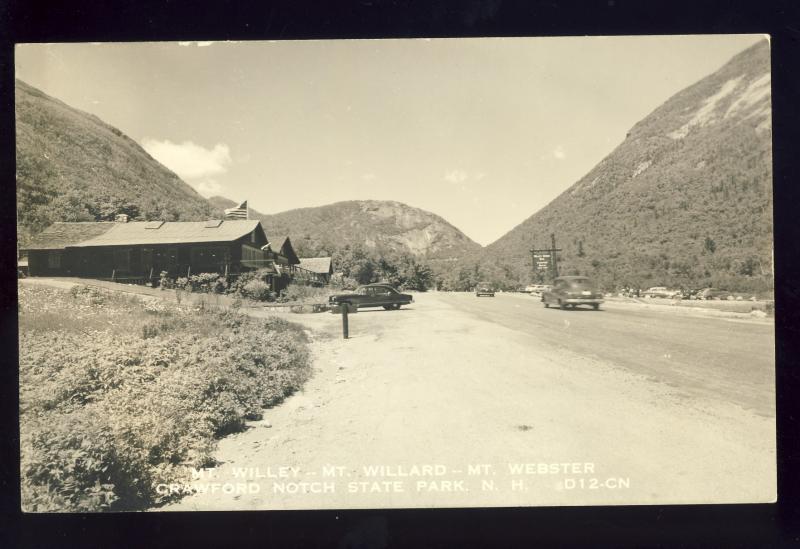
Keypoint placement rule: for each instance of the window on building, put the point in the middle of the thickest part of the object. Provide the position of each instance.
(255, 258)
(54, 260)
(210, 259)
(122, 260)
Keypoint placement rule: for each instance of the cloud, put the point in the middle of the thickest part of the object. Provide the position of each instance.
(560, 153)
(456, 176)
(188, 160)
(191, 162)
(208, 187)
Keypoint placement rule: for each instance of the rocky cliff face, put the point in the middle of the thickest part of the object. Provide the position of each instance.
(686, 199)
(375, 224)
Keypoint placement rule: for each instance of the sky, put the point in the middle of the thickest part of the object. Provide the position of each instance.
(483, 132)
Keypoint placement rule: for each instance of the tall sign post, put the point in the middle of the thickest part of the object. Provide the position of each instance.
(555, 257)
(545, 260)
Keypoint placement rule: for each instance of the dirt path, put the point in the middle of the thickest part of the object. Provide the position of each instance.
(453, 406)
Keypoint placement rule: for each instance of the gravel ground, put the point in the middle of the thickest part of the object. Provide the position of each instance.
(458, 401)
(465, 411)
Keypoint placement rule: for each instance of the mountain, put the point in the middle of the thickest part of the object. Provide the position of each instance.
(72, 166)
(684, 200)
(377, 225)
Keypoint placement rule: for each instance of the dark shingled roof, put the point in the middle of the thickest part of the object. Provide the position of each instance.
(283, 246)
(321, 265)
(172, 232)
(61, 234)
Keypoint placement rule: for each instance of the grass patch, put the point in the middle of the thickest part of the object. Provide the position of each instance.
(121, 393)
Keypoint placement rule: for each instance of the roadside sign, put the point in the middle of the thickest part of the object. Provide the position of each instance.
(542, 261)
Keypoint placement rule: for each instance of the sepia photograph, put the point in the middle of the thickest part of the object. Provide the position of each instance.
(395, 273)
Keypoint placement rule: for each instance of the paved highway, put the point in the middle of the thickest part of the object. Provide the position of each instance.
(721, 358)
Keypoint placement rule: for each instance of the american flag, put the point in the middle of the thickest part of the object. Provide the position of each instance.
(239, 212)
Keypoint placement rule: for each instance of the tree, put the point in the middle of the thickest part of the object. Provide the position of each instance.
(418, 276)
(709, 245)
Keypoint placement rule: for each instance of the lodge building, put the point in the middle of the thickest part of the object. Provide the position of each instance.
(139, 251)
(322, 266)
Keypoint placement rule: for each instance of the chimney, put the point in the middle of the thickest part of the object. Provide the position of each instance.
(121, 218)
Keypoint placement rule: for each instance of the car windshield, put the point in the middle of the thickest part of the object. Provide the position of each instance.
(579, 283)
(362, 290)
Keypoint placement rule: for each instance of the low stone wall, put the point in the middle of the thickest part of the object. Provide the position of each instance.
(728, 306)
(289, 307)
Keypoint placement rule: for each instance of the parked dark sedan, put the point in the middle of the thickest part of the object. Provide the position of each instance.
(373, 295)
(571, 291)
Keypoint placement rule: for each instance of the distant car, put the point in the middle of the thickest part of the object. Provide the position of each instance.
(537, 289)
(571, 291)
(373, 295)
(660, 291)
(484, 289)
(713, 293)
(688, 293)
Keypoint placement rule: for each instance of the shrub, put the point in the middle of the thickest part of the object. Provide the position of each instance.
(252, 285)
(257, 290)
(206, 282)
(304, 293)
(165, 281)
(105, 418)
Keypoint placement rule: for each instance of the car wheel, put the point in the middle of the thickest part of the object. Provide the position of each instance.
(397, 306)
(596, 306)
(546, 305)
(387, 307)
(562, 305)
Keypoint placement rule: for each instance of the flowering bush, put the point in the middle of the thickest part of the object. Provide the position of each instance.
(206, 282)
(257, 290)
(251, 285)
(305, 293)
(124, 393)
(165, 281)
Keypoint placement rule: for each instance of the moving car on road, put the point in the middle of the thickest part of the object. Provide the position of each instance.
(538, 289)
(373, 295)
(571, 291)
(484, 289)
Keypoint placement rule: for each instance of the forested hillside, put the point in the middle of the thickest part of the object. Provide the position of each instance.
(685, 200)
(71, 166)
